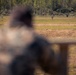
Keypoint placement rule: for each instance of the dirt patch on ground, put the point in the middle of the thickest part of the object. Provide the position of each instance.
(57, 33)
(69, 24)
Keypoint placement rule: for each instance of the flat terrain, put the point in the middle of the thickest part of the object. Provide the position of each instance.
(59, 27)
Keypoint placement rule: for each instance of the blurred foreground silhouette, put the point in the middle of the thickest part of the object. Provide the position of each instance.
(21, 49)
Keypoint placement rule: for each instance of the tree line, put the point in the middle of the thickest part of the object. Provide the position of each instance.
(41, 7)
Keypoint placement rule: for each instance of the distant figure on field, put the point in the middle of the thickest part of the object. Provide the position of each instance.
(52, 15)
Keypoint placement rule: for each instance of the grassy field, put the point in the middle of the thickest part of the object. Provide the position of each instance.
(56, 20)
(61, 27)
(58, 27)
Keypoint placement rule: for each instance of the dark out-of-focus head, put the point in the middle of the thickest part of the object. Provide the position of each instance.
(22, 14)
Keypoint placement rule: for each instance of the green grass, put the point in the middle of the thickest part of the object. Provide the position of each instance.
(59, 23)
(47, 20)
(4, 19)
(56, 20)
(55, 27)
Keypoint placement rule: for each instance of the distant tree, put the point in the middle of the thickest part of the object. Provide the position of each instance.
(41, 7)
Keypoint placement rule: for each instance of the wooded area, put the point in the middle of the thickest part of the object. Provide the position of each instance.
(41, 7)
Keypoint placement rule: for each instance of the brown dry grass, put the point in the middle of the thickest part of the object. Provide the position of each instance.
(57, 33)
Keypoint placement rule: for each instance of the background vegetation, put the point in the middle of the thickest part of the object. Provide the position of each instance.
(41, 7)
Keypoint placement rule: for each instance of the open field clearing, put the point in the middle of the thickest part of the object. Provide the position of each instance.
(56, 20)
(60, 27)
